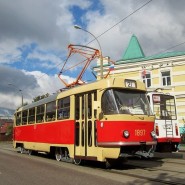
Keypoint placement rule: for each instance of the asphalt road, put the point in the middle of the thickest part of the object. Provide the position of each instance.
(22, 169)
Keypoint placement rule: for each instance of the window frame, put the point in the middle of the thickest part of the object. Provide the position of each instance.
(26, 117)
(40, 114)
(30, 115)
(18, 120)
(147, 81)
(165, 83)
(63, 108)
(51, 114)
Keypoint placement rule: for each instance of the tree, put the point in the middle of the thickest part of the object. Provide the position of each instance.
(40, 97)
(9, 130)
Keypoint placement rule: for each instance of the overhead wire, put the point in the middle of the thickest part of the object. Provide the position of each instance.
(122, 20)
(136, 10)
(110, 28)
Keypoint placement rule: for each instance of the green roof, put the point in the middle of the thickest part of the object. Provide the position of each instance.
(134, 53)
(153, 57)
(134, 50)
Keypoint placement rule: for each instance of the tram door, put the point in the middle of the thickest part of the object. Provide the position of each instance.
(85, 126)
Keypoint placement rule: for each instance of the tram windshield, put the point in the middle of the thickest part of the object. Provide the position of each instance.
(164, 107)
(121, 101)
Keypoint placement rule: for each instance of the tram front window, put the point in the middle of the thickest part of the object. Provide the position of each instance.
(164, 107)
(121, 101)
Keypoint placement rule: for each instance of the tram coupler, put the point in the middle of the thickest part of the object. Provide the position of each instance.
(146, 154)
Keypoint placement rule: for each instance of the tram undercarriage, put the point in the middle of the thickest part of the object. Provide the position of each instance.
(146, 151)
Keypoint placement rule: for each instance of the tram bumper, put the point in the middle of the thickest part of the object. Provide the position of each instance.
(143, 149)
(145, 154)
(146, 151)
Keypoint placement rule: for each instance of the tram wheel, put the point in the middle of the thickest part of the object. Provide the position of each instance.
(58, 154)
(21, 149)
(77, 161)
(29, 152)
(32, 152)
(110, 163)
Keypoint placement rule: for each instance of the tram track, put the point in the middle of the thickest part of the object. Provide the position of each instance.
(150, 179)
(164, 172)
(155, 164)
(154, 171)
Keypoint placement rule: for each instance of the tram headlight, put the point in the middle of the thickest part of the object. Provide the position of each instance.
(153, 134)
(126, 133)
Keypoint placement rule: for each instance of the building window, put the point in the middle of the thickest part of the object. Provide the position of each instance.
(166, 79)
(147, 79)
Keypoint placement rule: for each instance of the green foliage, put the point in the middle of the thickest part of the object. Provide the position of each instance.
(9, 130)
(40, 97)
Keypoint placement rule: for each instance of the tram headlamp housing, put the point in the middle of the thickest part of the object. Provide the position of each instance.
(126, 133)
(153, 134)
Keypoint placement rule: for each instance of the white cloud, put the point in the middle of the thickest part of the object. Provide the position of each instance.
(6, 100)
(46, 60)
(9, 52)
(46, 83)
(49, 24)
(28, 84)
(155, 25)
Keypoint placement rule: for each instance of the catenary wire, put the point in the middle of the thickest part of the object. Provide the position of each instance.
(103, 33)
(109, 30)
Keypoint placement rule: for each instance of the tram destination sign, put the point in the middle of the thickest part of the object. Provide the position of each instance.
(130, 83)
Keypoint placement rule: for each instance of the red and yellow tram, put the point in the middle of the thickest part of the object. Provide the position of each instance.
(104, 121)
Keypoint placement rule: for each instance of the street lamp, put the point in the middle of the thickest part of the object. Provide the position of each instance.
(101, 56)
(19, 91)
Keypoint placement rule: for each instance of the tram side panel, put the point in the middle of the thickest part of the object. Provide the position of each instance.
(48, 134)
(112, 132)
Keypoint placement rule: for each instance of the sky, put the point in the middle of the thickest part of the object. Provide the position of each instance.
(35, 34)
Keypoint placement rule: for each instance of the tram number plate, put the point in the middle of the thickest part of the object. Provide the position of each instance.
(130, 83)
(140, 132)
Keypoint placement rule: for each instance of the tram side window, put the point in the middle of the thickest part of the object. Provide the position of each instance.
(31, 117)
(18, 118)
(51, 111)
(89, 106)
(63, 108)
(77, 134)
(40, 114)
(95, 99)
(91, 97)
(83, 133)
(77, 107)
(24, 117)
(95, 134)
(89, 133)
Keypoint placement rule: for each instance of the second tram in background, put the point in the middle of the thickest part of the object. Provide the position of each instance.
(166, 121)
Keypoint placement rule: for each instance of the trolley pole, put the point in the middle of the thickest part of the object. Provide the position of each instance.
(19, 91)
(101, 56)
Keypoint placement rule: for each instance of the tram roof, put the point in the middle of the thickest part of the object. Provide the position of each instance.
(100, 84)
(40, 102)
